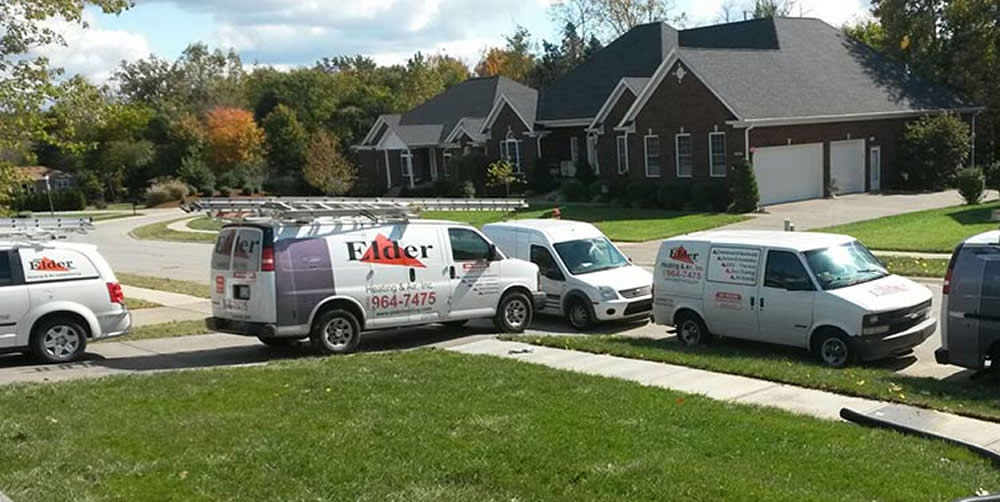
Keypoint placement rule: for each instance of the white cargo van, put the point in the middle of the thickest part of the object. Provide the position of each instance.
(822, 292)
(55, 296)
(330, 278)
(584, 276)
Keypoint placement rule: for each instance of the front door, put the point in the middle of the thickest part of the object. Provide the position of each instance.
(785, 301)
(551, 279)
(731, 290)
(13, 299)
(475, 280)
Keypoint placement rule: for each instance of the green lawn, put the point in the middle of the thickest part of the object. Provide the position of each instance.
(190, 288)
(140, 304)
(916, 267)
(934, 231)
(95, 215)
(436, 426)
(793, 366)
(205, 223)
(163, 330)
(160, 232)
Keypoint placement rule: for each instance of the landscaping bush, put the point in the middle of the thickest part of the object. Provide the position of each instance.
(743, 187)
(598, 191)
(642, 194)
(196, 173)
(934, 149)
(971, 184)
(541, 180)
(469, 190)
(703, 196)
(444, 187)
(576, 191)
(585, 173)
(165, 190)
(62, 200)
(674, 196)
(284, 185)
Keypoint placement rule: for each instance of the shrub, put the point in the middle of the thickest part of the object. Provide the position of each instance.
(469, 190)
(541, 180)
(674, 196)
(444, 187)
(62, 200)
(598, 191)
(971, 184)
(585, 173)
(576, 191)
(283, 185)
(166, 190)
(642, 194)
(934, 149)
(743, 187)
(702, 195)
(196, 173)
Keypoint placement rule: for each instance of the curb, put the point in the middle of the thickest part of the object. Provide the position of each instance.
(3, 498)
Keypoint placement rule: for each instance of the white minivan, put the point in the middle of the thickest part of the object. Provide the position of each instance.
(54, 297)
(584, 276)
(329, 279)
(823, 292)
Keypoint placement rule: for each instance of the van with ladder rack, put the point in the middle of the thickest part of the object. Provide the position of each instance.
(328, 269)
(55, 296)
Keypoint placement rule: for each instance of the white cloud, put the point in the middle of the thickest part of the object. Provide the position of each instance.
(92, 52)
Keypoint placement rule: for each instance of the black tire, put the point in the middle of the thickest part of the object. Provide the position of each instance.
(514, 313)
(456, 324)
(280, 343)
(58, 340)
(834, 349)
(691, 329)
(579, 314)
(344, 338)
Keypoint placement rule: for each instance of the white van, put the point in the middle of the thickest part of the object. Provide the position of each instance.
(822, 292)
(54, 297)
(329, 279)
(583, 274)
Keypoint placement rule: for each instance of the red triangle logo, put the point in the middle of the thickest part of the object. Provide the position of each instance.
(50, 265)
(386, 252)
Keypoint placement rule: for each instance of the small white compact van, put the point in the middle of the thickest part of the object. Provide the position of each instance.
(584, 276)
(823, 292)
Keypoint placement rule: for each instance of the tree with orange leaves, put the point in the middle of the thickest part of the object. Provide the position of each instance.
(232, 137)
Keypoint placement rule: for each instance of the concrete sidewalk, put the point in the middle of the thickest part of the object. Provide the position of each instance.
(738, 389)
(182, 226)
(176, 307)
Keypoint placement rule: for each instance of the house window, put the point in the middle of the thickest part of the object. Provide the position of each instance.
(445, 160)
(406, 161)
(574, 149)
(717, 154)
(652, 156)
(682, 144)
(510, 151)
(622, 154)
(592, 153)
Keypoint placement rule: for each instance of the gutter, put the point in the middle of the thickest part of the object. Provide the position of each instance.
(849, 117)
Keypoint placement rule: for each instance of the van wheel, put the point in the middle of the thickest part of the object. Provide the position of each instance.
(691, 330)
(58, 340)
(514, 313)
(834, 349)
(278, 342)
(335, 332)
(579, 315)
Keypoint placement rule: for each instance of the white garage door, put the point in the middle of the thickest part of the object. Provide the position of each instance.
(789, 173)
(847, 165)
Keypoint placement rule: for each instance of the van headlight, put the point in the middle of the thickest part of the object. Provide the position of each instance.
(872, 327)
(607, 293)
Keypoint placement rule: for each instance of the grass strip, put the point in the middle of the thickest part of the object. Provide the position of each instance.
(160, 232)
(178, 286)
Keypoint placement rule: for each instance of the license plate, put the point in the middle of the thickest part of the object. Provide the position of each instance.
(241, 292)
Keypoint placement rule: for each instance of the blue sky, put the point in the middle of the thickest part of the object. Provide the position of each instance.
(288, 33)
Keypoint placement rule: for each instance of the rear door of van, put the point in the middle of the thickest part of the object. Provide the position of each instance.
(730, 290)
(679, 279)
(243, 277)
(965, 301)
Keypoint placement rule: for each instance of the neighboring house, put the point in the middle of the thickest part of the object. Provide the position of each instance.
(817, 111)
(493, 114)
(35, 179)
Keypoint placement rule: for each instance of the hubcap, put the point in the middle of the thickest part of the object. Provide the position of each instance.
(61, 342)
(338, 333)
(834, 352)
(578, 315)
(516, 313)
(690, 333)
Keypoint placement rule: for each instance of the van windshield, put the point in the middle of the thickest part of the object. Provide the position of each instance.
(845, 265)
(585, 256)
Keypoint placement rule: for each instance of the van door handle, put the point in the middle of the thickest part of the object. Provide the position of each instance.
(762, 303)
(413, 274)
(753, 301)
(451, 271)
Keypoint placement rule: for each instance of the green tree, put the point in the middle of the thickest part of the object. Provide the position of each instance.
(195, 172)
(515, 61)
(285, 145)
(326, 168)
(772, 8)
(501, 174)
(935, 147)
(610, 19)
(123, 167)
(869, 32)
(743, 187)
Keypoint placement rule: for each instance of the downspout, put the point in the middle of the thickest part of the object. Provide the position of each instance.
(746, 140)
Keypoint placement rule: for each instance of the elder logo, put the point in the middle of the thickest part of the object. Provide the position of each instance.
(49, 265)
(387, 252)
(680, 254)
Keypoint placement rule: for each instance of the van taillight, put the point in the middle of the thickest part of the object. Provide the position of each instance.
(115, 293)
(267, 260)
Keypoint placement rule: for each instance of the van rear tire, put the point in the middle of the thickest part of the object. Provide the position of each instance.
(514, 313)
(335, 332)
(691, 330)
(58, 340)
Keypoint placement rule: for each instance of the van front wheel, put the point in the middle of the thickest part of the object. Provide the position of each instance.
(335, 332)
(514, 313)
(834, 349)
(691, 330)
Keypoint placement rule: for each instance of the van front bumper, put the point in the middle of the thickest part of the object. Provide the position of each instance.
(870, 348)
(245, 328)
(620, 310)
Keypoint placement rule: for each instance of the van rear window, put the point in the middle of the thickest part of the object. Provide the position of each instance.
(246, 250)
(223, 250)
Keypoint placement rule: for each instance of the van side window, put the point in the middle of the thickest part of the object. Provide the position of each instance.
(6, 274)
(785, 271)
(546, 264)
(991, 283)
(467, 245)
(223, 252)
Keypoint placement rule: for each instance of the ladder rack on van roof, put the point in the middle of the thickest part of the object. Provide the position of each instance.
(44, 228)
(311, 209)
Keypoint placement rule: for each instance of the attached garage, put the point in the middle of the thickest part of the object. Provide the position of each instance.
(847, 166)
(789, 173)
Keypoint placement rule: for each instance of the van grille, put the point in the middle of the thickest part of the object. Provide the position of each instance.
(636, 292)
(904, 319)
(638, 307)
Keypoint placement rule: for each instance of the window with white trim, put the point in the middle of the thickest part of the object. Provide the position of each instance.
(445, 160)
(622, 142)
(510, 151)
(682, 150)
(574, 149)
(592, 157)
(652, 145)
(406, 163)
(717, 154)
